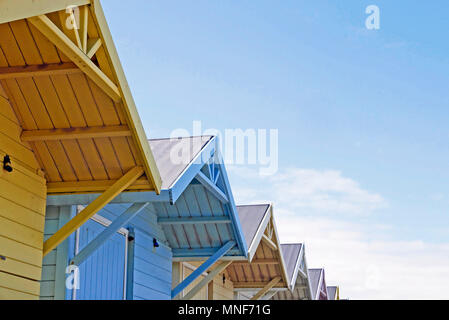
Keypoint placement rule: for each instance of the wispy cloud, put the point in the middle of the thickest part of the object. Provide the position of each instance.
(322, 209)
(326, 191)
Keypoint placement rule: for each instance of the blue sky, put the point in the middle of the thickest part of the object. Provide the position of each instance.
(371, 105)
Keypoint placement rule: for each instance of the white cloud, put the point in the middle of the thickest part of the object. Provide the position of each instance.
(361, 258)
(308, 189)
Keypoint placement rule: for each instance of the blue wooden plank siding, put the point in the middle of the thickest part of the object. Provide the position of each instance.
(102, 275)
(149, 277)
(152, 269)
(53, 274)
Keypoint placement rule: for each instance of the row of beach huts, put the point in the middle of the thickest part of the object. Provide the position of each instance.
(90, 209)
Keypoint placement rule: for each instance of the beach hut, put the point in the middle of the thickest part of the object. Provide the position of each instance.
(318, 284)
(295, 260)
(264, 272)
(333, 293)
(69, 125)
(134, 248)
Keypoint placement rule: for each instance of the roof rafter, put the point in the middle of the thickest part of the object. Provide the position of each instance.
(71, 50)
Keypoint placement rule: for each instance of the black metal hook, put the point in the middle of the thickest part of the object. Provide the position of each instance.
(7, 163)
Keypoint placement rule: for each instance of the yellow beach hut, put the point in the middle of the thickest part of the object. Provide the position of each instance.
(68, 125)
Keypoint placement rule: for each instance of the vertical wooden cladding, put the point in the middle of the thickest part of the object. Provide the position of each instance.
(22, 209)
(222, 287)
(59, 100)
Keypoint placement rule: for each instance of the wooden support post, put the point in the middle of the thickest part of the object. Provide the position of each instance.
(267, 288)
(222, 266)
(92, 209)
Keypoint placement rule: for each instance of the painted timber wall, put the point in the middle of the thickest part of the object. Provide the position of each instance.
(219, 288)
(147, 275)
(222, 287)
(22, 210)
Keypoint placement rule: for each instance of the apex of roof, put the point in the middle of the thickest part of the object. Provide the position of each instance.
(251, 217)
(291, 254)
(174, 155)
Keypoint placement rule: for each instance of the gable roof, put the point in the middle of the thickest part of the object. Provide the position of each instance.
(265, 258)
(251, 218)
(72, 100)
(315, 278)
(197, 212)
(296, 264)
(186, 147)
(201, 216)
(291, 254)
(332, 293)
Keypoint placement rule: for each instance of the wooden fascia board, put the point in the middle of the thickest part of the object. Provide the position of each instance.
(131, 114)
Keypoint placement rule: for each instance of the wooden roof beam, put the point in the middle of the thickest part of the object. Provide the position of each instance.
(72, 51)
(256, 285)
(267, 288)
(21, 9)
(76, 133)
(38, 70)
(258, 262)
(269, 243)
(194, 220)
(88, 212)
(192, 293)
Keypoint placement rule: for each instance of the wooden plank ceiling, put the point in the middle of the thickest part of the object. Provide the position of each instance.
(266, 265)
(66, 87)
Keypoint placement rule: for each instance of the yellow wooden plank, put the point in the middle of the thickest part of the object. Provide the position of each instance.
(46, 48)
(92, 186)
(22, 197)
(25, 182)
(19, 104)
(92, 209)
(20, 284)
(48, 163)
(21, 9)
(9, 46)
(76, 133)
(68, 100)
(133, 118)
(26, 42)
(20, 269)
(22, 215)
(60, 40)
(20, 252)
(11, 128)
(34, 102)
(38, 70)
(109, 157)
(93, 159)
(77, 159)
(62, 161)
(5, 107)
(9, 294)
(21, 233)
(17, 151)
